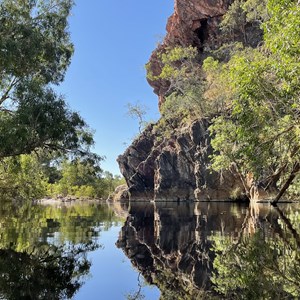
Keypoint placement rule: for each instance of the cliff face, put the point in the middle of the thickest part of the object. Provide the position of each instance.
(176, 167)
(193, 23)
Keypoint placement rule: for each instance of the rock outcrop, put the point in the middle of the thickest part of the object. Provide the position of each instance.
(196, 23)
(192, 23)
(175, 168)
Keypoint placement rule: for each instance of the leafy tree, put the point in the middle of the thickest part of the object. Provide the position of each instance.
(22, 177)
(234, 20)
(243, 15)
(261, 134)
(35, 53)
(184, 97)
(138, 111)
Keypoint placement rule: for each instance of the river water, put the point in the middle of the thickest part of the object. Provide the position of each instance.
(149, 251)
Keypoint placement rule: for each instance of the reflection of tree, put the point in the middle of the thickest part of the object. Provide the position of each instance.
(43, 249)
(24, 225)
(263, 264)
(137, 295)
(47, 272)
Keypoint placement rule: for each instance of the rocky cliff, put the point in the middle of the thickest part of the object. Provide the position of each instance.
(176, 167)
(193, 23)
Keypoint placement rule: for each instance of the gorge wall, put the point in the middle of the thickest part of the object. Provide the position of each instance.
(193, 23)
(176, 166)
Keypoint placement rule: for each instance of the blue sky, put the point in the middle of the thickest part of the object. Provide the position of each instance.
(113, 40)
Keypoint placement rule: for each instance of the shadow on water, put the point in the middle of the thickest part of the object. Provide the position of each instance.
(43, 249)
(215, 250)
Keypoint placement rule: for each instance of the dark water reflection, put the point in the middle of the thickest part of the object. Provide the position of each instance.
(189, 251)
(43, 249)
(216, 250)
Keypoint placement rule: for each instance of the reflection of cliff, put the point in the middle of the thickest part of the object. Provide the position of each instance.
(175, 245)
(171, 244)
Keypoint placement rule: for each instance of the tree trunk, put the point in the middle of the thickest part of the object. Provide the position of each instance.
(289, 181)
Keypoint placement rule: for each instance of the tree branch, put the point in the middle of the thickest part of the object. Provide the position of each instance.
(289, 181)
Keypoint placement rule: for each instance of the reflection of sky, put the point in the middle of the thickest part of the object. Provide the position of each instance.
(113, 276)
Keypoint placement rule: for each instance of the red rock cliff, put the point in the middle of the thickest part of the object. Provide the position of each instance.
(194, 22)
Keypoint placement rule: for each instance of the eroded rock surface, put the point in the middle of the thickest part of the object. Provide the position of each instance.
(193, 23)
(175, 168)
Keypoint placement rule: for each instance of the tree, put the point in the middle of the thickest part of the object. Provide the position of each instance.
(137, 111)
(35, 53)
(184, 98)
(261, 134)
(242, 15)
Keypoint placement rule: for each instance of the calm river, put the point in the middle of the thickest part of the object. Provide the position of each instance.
(149, 251)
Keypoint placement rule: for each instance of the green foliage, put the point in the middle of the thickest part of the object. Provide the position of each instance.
(184, 99)
(261, 134)
(22, 177)
(84, 179)
(35, 53)
(235, 19)
(241, 14)
(256, 267)
(34, 176)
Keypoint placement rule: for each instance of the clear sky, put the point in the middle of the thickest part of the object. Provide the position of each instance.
(113, 40)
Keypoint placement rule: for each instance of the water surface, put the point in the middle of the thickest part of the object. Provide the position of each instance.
(149, 251)
(65, 251)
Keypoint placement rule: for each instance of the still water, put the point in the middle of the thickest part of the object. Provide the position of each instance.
(149, 251)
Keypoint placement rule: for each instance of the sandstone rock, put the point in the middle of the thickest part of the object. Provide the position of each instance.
(120, 193)
(192, 23)
(176, 168)
(196, 23)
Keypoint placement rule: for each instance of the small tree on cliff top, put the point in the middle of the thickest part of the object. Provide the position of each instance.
(181, 69)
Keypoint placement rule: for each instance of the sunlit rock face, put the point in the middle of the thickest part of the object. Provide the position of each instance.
(193, 23)
(171, 244)
(175, 168)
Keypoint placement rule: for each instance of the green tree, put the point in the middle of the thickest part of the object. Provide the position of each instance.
(184, 98)
(242, 15)
(35, 53)
(22, 177)
(261, 134)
